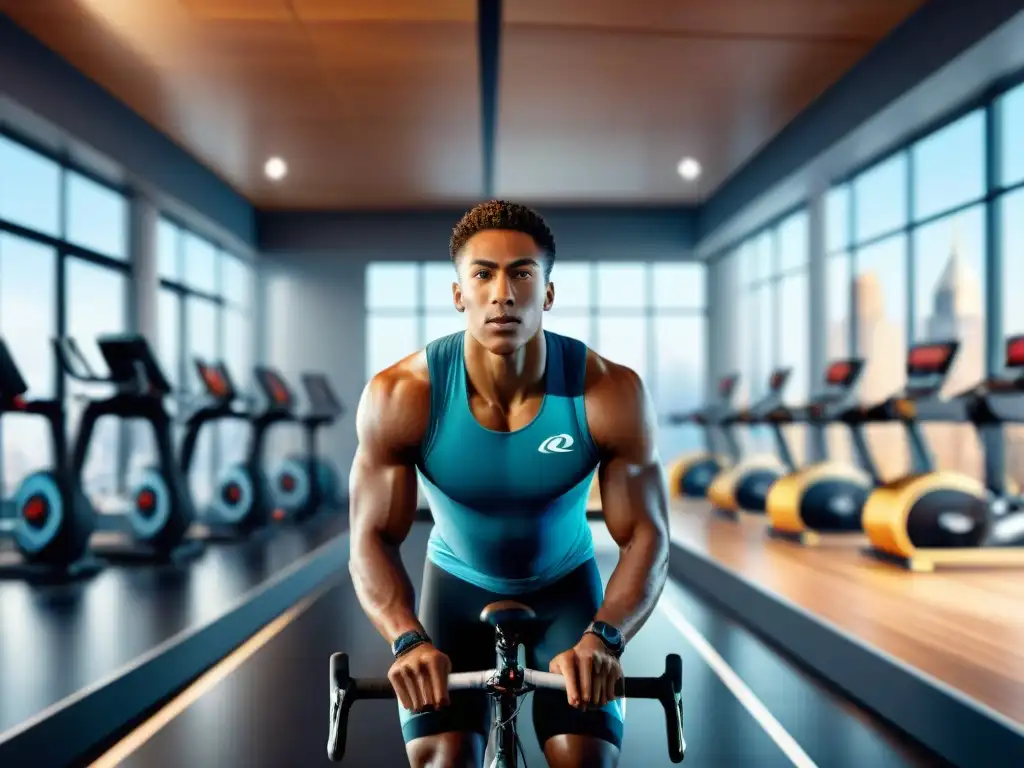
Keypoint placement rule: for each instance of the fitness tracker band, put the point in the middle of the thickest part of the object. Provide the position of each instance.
(406, 641)
(609, 635)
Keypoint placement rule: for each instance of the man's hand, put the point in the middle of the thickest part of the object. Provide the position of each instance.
(591, 673)
(420, 678)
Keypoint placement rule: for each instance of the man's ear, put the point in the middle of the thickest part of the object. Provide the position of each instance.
(457, 297)
(549, 295)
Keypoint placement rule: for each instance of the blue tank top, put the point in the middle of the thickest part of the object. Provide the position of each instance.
(509, 508)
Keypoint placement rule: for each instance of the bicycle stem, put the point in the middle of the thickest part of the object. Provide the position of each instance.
(511, 680)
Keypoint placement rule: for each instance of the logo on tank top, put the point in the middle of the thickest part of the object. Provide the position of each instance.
(557, 444)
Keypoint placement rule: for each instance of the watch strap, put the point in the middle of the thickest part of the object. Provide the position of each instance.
(406, 641)
(600, 628)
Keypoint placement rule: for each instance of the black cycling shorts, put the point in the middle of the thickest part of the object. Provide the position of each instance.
(450, 612)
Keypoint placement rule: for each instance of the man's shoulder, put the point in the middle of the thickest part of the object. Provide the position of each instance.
(394, 410)
(618, 409)
(608, 379)
(405, 383)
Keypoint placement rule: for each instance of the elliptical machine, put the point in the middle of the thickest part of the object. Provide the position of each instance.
(934, 517)
(305, 484)
(50, 519)
(691, 475)
(746, 485)
(244, 499)
(221, 395)
(161, 511)
(825, 497)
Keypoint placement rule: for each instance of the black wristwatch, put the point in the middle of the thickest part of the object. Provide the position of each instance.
(610, 636)
(406, 641)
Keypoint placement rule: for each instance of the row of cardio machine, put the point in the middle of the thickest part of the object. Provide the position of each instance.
(56, 532)
(926, 518)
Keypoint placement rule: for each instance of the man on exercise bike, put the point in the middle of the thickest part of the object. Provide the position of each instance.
(506, 424)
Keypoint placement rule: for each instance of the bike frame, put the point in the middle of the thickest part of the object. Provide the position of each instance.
(512, 685)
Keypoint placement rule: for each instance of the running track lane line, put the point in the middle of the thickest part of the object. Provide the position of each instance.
(209, 680)
(757, 709)
(206, 682)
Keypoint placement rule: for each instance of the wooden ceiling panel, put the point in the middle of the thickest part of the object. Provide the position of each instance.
(867, 20)
(366, 101)
(593, 111)
(404, 73)
(239, 10)
(391, 170)
(386, 10)
(377, 103)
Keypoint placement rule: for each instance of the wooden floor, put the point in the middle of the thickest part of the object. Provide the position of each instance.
(964, 628)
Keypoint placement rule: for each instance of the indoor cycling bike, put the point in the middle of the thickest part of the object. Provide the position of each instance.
(505, 684)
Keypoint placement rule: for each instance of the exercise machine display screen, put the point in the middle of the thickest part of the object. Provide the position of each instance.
(727, 384)
(931, 359)
(843, 373)
(1015, 352)
(778, 379)
(321, 396)
(275, 388)
(11, 382)
(126, 354)
(216, 381)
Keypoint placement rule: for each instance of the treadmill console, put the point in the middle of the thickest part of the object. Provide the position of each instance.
(127, 355)
(840, 378)
(928, 365)
(1015, 352)
(275, 389)
(11, 382)
(322, 400)
(727, 386)
(216, 380)
(778, 380)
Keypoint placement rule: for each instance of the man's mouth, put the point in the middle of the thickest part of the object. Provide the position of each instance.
(503, 320)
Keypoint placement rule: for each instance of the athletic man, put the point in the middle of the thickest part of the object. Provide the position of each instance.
(506, 424)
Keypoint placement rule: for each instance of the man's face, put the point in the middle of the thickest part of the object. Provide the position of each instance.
(502, 289)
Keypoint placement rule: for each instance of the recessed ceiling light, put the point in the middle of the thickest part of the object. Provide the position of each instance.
(688, 168)
(276, 168)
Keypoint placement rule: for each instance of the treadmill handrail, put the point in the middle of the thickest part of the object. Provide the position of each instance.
(73, 361)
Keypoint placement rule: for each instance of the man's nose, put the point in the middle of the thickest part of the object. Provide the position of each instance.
(502, 291)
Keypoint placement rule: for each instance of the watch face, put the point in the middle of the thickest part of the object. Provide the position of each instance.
(608, 632)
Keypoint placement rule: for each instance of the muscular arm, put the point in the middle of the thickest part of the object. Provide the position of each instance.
(634, 496)
(390, 423)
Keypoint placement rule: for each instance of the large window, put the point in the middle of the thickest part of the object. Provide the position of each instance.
(395, 310)
(1010, 246)
(64, 242)
(910, 234)
(649, 317)
(239, 349)
(97, 217)
(201, 342)
(56, 222)
(28, 318)
(205, 311)
(1011, 149)
(96, 304)
(774, 312)
(571, 314)
(1012, 216)
(29, 189)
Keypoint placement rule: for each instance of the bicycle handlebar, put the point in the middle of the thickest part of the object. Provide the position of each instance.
(667, 689)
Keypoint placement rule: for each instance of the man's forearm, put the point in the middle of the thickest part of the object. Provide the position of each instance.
(383, 587)
(636, 583)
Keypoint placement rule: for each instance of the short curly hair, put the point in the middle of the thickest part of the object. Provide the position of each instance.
(501, 214)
